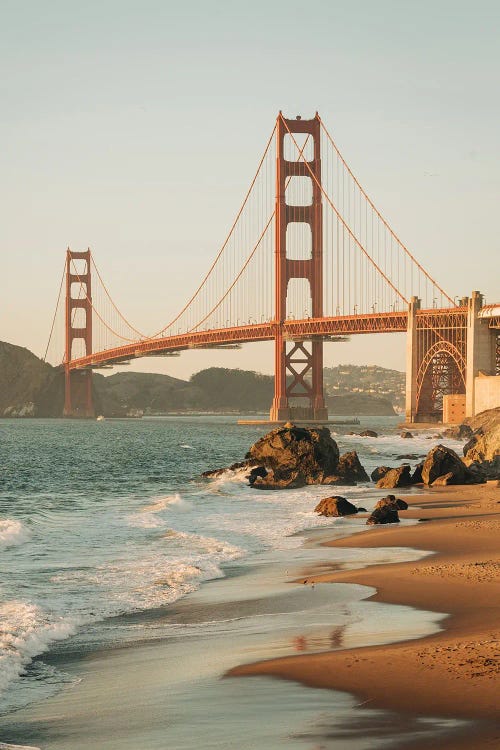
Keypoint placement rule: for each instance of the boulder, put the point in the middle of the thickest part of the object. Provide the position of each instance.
(350, 468)
(408, 456)
(368, 433)
(406, 435)
(399, 477)
(294, 457)
(440, 461)
(392, 502)
(379, 472)
(335, 506)
(386, 514)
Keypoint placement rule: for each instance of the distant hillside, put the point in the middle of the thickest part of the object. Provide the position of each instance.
(31, 388)
(367, 380)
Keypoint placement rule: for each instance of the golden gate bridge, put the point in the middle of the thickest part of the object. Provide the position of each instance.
(308, 258)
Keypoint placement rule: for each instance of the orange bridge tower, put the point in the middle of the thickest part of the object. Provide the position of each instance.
(298, 363)
(78, 401)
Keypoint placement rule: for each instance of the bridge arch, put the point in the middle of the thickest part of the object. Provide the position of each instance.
(441, 372)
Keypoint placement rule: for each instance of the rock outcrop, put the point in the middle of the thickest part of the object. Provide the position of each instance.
(458, 432)
(379, 472)
(368, 433)
(350, 468)
(442, 460)
(482, 451)
(406, 435)
(335, 506)
(400, 477)
(295, 456)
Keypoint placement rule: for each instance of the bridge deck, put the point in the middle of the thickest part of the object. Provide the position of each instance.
(309, 328)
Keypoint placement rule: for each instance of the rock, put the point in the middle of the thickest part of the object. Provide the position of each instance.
(362, 510)
(335, 506)
(416, 477)
(443, 481)
(386, 514)
(334, 479)
(399, 477)
(294, 457)
(214, 473)
(440, 461)
(409, 456)
(368, 433)
(392, 502)
(350, 468)
(458, 432)
(379, 472)
(258, 471)
(406, 435)
(484, 446)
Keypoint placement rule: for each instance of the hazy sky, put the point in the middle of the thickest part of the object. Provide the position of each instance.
(135, 127)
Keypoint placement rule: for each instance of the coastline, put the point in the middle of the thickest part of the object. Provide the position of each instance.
(450, 674)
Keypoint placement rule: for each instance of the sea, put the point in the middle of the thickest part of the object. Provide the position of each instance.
(121, 565)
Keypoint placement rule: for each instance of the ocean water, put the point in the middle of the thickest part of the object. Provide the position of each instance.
(106, 526)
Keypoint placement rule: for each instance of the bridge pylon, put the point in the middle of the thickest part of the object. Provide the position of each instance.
(78, 400)
(298, 363)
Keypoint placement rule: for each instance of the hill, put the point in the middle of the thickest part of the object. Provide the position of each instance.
(366, 380)
(30, 387)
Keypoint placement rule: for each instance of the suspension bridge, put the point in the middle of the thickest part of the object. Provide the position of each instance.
(308, 259)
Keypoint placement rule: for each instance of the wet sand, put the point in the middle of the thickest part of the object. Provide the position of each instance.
(453, 673)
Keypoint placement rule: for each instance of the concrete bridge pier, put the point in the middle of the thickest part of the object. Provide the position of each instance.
(481, 358)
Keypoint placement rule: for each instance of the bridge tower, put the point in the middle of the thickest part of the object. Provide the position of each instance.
(301, 362)
(78, 401)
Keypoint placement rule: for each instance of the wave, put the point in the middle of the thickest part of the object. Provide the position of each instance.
(12, 533)
(25, 632)
(5, 746)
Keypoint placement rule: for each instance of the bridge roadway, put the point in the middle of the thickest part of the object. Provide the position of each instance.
(309, 328)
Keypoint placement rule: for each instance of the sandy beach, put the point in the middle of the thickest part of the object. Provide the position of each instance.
(453, 673)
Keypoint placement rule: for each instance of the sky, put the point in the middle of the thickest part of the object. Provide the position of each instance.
(135, 128)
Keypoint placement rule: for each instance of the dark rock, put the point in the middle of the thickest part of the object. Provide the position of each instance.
(392, 502)
(349, 467)
(276, 480)
(386, 514)
(406, 435)
(362, 510)
(294, 457)
(213, 473)
(258, 471)
(399, 477)
(368, 433)
(458, 432)
(440, 461)
(335, 506)
(379, 472)
(416, 477)
(409, 456)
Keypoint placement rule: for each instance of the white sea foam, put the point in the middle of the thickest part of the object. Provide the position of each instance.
(12, 533)
(187, 447)
(4, 746)
(26, 631)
